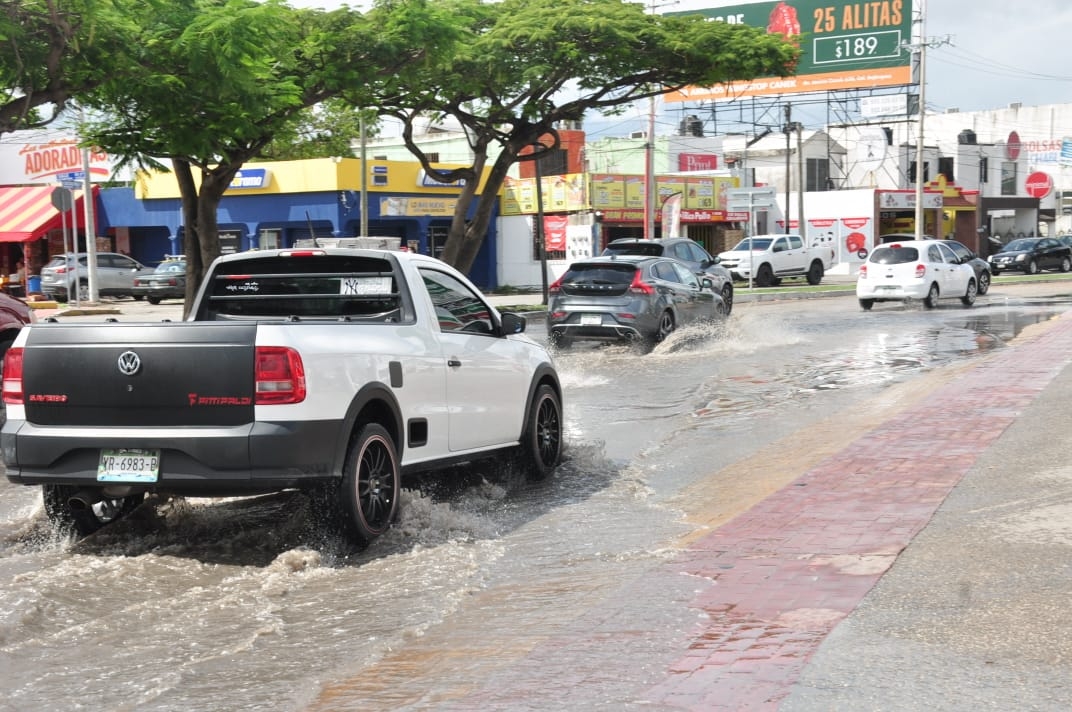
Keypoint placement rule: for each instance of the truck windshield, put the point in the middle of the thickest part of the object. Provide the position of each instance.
(757, 243)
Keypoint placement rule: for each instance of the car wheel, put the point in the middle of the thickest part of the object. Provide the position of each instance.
(1066, 264)
(1032, 267)
(984, 282)
(87, 517)
(727, 297)
(540, 448)
(371, 484)
(932, 297)
(815, 273)
(866, 304)
(765, 276)
(666, 327)
(153, 300)
(136, 297)
(969, 296)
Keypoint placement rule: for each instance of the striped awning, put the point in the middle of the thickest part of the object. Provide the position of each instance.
(27, 212)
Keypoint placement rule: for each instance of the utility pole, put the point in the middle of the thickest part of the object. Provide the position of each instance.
(923, 43)
(788, 128)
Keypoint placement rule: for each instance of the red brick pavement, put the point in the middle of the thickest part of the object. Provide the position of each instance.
(790, 569)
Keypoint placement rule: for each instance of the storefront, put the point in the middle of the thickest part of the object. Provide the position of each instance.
(271, 205)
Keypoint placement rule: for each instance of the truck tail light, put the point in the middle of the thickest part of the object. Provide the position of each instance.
(280, 376)
(12, 388)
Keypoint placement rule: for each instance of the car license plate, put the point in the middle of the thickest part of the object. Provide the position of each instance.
(591, 319)
(129, 465)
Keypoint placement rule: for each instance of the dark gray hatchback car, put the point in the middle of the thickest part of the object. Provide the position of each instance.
(628, 298)
(688, 251)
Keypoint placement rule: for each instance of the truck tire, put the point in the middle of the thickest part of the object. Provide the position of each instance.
(815, 273)
(540, 447)
(764, 276)
(371, 484)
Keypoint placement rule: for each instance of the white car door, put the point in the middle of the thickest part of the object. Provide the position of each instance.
(956, 275)
(487, 375)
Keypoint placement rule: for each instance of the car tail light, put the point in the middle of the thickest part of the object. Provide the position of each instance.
(280, 376)
(921, 269)
(302, 253)
(639, 286)
(555, 287)
(60, 270)
(863, 272)
(172, 282)
(12, 388)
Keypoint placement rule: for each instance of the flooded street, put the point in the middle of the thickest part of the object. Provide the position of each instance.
(490, 593)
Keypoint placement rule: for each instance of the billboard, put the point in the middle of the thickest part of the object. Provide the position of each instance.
(844, 45)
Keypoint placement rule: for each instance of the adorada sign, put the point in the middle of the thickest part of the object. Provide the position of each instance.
(25, 158)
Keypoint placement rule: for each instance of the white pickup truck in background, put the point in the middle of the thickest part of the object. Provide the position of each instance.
(766, 259)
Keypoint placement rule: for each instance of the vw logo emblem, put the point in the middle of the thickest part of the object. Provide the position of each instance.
(129, 363)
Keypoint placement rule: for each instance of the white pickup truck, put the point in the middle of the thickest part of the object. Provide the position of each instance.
(330, 370)
(766, 259)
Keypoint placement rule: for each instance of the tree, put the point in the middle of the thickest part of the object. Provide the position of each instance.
(51, 51)
(524, 66)
(211, 82)
(322, 131)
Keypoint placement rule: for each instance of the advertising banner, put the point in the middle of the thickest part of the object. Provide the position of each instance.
(844, 45)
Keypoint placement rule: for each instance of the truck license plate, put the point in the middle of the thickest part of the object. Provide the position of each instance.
(129, 465)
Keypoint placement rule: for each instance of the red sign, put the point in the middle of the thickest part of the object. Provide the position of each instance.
(697, 162)
(554, 232)
(1013, 146)
(1038, 184)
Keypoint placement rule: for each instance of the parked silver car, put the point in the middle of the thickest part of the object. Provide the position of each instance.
(628, 298)
(115, 276)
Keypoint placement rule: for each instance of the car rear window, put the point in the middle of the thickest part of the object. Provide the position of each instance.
(600, 274)
(635, 248)
(897, 255)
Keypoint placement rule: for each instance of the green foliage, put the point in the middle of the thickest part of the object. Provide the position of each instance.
(512, 70)
(328, 129)
(52, 50)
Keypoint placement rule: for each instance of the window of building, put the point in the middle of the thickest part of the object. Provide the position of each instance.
(818, 177)
(1008, 178)
(984, 169)
(554, 163)
(912, 172)
(945, 168)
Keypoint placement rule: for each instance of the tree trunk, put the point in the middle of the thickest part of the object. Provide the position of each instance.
(467, 236)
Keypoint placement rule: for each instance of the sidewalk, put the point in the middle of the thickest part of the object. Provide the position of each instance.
(926, 566)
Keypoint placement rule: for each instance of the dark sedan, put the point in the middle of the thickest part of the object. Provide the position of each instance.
(1031, 255)
(628, 298)
(167, 281)
(688, 251)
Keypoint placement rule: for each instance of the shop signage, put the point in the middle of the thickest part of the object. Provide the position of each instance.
(844, 44)
(26, 158)
(697, 162)
(906, 200)
(1013, 146)
(1038, 184)
(250, 178)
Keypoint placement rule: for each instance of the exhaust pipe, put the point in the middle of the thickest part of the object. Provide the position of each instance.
(83, 500)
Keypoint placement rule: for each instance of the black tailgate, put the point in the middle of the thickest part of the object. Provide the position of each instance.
(114, 374)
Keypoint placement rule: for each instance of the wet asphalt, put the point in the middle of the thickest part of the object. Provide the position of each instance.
(928, 567)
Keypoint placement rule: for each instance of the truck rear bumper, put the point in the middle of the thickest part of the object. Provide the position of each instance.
(210, 461)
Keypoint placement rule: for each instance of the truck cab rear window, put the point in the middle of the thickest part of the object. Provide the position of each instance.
(315, 287)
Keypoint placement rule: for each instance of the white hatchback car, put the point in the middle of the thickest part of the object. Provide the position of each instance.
(919, 269)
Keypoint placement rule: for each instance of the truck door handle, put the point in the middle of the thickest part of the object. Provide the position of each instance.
(454, 363)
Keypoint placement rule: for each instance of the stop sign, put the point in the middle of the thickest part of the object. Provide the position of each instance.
(1038, 184)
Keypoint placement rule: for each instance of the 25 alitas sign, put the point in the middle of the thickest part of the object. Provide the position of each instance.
(844, 45)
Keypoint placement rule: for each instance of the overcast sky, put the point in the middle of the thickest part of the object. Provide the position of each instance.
(1000, 51)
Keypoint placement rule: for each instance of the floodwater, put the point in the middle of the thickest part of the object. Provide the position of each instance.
(475, 600)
